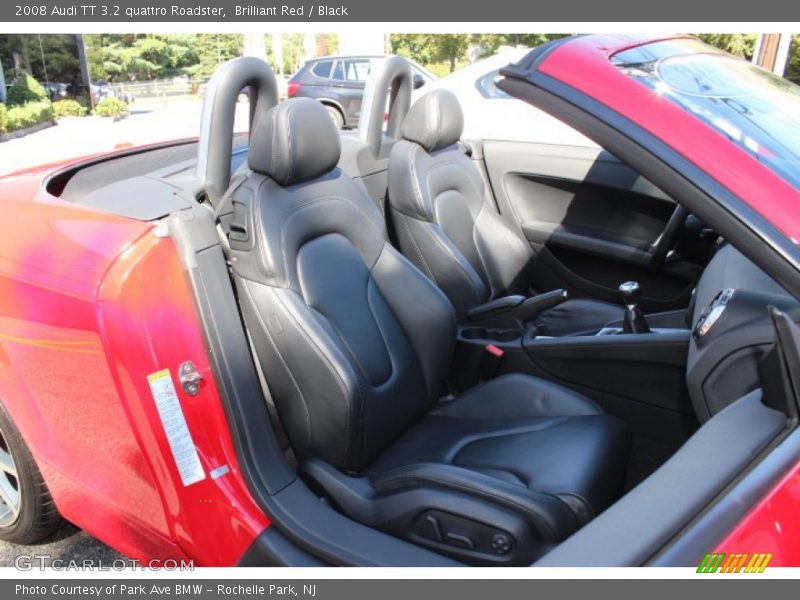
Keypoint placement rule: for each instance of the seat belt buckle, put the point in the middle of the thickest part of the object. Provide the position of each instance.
(490, 362)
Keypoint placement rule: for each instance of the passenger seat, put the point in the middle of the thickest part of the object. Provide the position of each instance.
(447, 229)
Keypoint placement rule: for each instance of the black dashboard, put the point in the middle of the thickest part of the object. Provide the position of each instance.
(731, 329)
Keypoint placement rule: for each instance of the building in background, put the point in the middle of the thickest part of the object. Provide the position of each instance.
(772, 51)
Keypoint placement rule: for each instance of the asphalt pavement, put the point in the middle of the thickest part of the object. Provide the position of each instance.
(67, 544)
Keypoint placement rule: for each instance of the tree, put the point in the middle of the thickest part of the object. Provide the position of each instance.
(793, 68)
(450, 48)
(129, 57)
(489, 43)
(213, 49)
(26, 89)
(740, 44)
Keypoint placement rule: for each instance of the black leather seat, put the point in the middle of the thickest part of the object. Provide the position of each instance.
(355, 344)
(451, 233)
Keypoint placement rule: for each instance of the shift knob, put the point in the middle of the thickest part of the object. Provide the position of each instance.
(631, 292)
(634, 321)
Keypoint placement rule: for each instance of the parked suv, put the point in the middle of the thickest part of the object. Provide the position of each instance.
(338, 82)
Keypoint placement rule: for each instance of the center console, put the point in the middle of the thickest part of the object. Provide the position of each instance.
(635, 368)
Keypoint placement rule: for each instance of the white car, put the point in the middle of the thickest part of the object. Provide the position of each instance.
(479, 95)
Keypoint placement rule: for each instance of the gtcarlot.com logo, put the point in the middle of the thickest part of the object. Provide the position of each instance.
(41, 562)
(720, 562)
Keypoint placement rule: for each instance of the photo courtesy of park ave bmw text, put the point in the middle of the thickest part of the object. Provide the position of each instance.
(476, 299)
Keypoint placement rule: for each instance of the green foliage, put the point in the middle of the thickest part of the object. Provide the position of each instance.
(489, 43)
(444, 53)
(440, 69)
(111, 107)
(211, 50)
(740, 44)
(793, 68)
(26, 115)
(68, 108)
(48, 57)
(3, 117)
(25, 89)
(429, 49)
(138, 57)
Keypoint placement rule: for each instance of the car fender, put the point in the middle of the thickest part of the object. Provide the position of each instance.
(81, 326)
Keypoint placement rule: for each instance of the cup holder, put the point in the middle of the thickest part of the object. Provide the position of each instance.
(495, 335)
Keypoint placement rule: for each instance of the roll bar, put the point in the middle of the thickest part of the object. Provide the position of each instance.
(391, 80)
(219, 107)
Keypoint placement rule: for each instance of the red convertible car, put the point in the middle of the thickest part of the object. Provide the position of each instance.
(396, 347)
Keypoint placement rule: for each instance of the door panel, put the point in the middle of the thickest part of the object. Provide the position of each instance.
(593, 221)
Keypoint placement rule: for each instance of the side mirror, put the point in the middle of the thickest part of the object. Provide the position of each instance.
(419, 81)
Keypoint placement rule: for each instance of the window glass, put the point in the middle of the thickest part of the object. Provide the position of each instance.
(322, 68)
(755, 109)
(356, 70)
(338, 71)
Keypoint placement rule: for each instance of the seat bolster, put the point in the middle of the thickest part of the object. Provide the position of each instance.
(518, 396)
(434, 254)
(552, 517)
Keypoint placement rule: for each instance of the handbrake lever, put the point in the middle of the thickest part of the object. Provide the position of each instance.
(513, 312)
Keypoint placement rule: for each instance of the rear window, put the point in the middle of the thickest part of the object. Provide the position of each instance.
(755, 109)
(322, 68)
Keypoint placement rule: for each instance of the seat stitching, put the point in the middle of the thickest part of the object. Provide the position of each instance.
(492, 291)
(289, 129)
(415, 181)
(519, 430)
(283, 362)
(342, 387)
(293, 213)
(371, 281)
(449, 251)
(417, 248)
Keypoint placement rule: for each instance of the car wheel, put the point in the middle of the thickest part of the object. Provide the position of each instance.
(27, 511)
(336, 116)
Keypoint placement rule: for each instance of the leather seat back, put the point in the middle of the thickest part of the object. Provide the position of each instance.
(443, 222)
(354, 341)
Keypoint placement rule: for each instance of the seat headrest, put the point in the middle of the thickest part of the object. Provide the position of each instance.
(435, 121)
(293, 142)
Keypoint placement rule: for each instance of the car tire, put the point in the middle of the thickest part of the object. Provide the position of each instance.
(36, 514)
(336, 116)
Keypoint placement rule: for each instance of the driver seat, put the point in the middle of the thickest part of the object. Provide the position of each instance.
(355, 344)
(453, 235)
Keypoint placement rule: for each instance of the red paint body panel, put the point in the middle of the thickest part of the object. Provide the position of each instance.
(584, 64)
(772, 526)
(90, 304)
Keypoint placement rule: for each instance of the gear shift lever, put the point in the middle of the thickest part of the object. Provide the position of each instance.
(634, 321)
